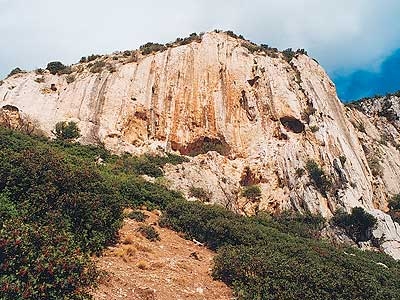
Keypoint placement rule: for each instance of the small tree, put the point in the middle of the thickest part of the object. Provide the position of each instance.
(200, 193)
(252, 192)
(15, 71)
(358, 225)
(55, 67)
(67, 131)
(318, 177)
(394, 203)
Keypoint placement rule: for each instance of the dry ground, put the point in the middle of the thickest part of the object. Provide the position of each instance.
(173, 268)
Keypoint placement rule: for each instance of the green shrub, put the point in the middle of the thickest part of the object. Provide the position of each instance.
(200, 193)
(8, 210)
(318, 178)
(394, 203)
(55, 67)
(149, 233)
(67, 131)
(305, 224)
(288, 54)
(150, 165)
(137, 216)
(193, 37)
(15, 71)
(97, 67)
(260, 258)
(149, 48)
(358, 225)
(70, 78)
(252, 192)
(46, 189)
(136, 192)
(299, 172)
(394, 208)
(374, 164)
(41, 262)
(93, 57)
(314, 128)
(311, 272)
(234, 35)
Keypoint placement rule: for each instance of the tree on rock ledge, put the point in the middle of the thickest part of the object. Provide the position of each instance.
(67, 131)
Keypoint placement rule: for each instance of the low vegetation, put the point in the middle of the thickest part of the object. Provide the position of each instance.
(67, 130)
(252, 192)
(137, 215)
(58, 68)
(200, 193)
(358, 224)
(15, 71)
(318, 177)
(394, 208)
(271, 258)
(59, 205)
(149, 232)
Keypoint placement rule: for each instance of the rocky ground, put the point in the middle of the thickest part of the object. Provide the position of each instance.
(172, 268)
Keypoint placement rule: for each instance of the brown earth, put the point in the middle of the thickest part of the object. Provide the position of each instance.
(172, 268)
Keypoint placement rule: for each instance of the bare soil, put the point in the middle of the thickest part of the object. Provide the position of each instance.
(172, 268)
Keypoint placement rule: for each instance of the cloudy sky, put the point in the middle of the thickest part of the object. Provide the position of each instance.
(357, 41)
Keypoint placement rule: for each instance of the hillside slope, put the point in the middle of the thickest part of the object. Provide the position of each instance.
(268, 115)
(172, 268)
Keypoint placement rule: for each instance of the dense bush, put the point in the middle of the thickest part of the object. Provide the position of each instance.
(394, 208)
(200, 193)
(97, 67)
(15, 71)
(55, 67)
(318, 177)
(294, 271)
(298, 224)
(93, 57)
(394, 203)
(67, 130)
(149, 233)
(252, 192)
(149, 48)
(55, 211)
(58, 204)
(46, 189)
(261, 258)
(136, 192)
(42, 262)
(150, 165)
(358, 225)
(137, 215)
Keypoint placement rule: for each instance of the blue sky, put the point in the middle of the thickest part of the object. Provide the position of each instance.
(356, 41)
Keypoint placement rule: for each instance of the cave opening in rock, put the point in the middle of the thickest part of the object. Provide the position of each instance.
(203, 145)
(292, 124)
(10, 108)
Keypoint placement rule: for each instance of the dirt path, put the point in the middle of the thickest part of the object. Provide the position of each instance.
(172, 268)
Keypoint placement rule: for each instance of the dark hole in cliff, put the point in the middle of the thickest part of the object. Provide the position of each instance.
(10, 108)
(53, 87)
(253, 81)
(292, 124)
(203, 145)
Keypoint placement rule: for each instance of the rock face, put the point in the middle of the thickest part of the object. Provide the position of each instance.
(267, 118)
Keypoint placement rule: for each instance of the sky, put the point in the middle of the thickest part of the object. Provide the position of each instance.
(356, 41)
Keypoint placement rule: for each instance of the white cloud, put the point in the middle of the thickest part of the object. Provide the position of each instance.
(342, 34)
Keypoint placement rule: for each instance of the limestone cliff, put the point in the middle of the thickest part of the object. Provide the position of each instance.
(263, 113)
